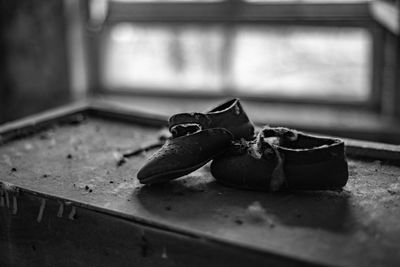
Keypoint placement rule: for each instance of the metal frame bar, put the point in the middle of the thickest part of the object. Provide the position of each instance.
(239, 11)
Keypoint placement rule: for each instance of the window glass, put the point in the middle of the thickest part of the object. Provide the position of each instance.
(159, 57)
(258, 60)
(317, 62)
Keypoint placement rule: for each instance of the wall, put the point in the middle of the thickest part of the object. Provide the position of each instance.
(33, 61)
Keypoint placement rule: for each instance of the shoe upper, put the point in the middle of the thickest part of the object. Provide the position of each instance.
(229, 115)
(184, 154)
(196, 139)
(307, 162)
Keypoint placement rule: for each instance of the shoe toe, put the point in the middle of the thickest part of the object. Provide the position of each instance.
(183, 155)
(162, 165)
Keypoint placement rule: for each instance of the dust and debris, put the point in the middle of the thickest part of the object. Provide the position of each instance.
(13, 169)
(255, 213)
(168, 208)
(69, 156)
(16, 152)
(164, 134)
(87, 187)
(237, 110)
(376, 165)
(394, 189)
(7, 159)
(79, 118)
(28, 146)
(119, 158)
(123, 186)
(392, 192)
(52, 143)
(238, 221)
(121, 161)
(46, 135)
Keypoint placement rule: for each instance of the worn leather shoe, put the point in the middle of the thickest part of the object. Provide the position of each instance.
(280, 158)
(182, 155)
(229, 115)
(196, 139)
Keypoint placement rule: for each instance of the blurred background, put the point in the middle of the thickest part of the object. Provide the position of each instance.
(326, 66)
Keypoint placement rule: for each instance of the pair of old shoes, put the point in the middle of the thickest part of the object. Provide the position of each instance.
(272, 159)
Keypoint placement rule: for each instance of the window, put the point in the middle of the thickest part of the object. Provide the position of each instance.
(262, 61)
(290, 50)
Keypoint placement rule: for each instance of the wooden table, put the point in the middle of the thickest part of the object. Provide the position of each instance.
(65, 202)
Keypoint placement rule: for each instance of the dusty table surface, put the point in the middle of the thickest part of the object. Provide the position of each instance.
(358, 225)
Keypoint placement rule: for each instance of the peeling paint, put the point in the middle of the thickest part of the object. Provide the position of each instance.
(71, 215)
(164, 254)
(60, 210)
(41, 210)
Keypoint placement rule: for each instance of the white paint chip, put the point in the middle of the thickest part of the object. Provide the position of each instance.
(164, 254)
(72, 213)
(60, 210)
(41, 210)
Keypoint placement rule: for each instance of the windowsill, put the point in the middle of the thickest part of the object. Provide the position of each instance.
(350, 123)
